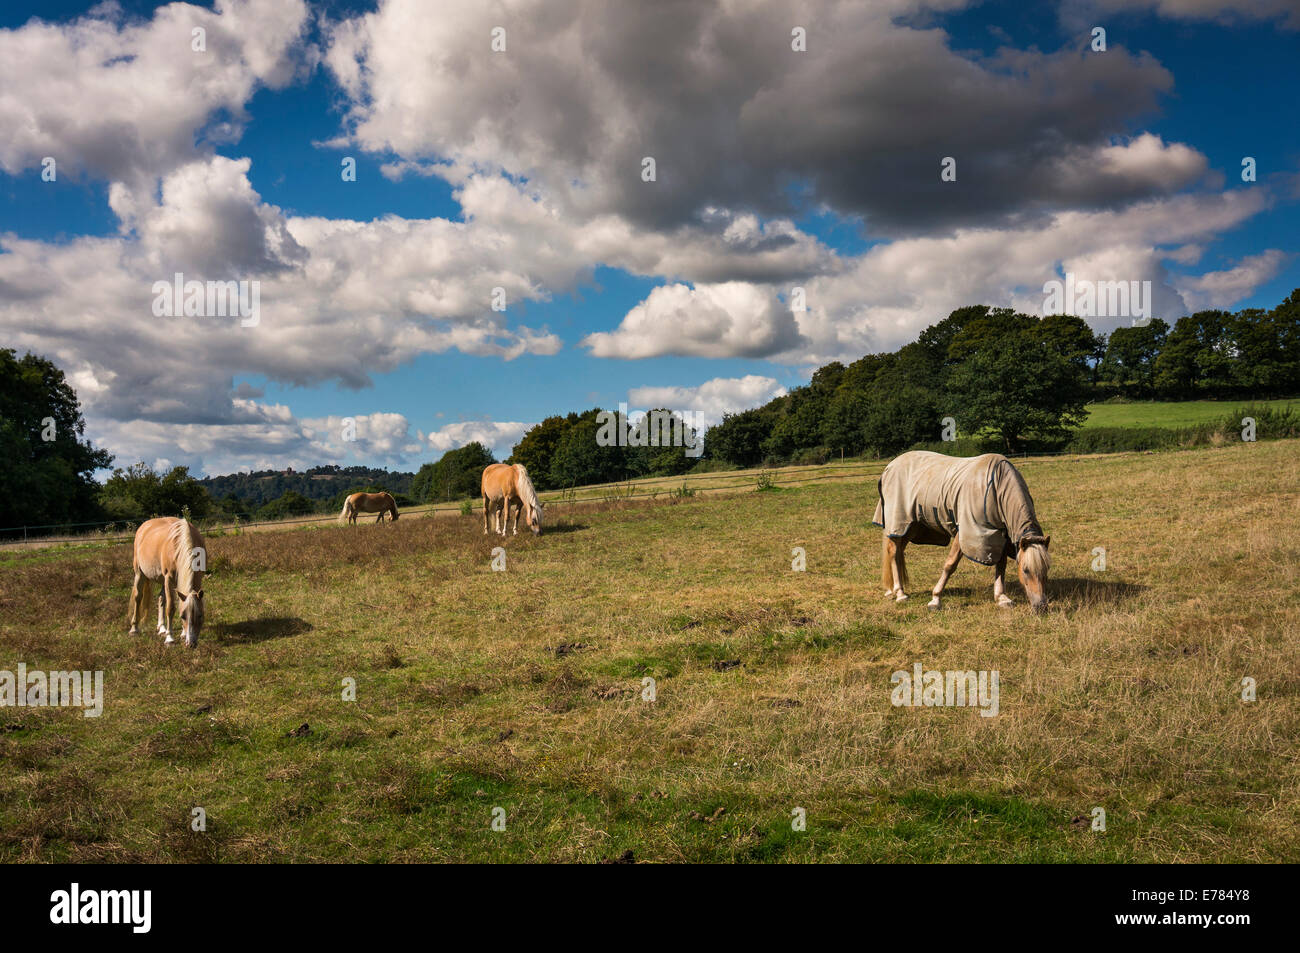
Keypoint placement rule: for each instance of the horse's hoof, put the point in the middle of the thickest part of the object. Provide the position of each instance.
(169, 640)
(1006, 604)
(901, 597)
(932, 604)
(133, 631)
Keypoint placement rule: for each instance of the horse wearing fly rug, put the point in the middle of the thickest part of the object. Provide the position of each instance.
(171, 551)
(504, 486)
(979, 507)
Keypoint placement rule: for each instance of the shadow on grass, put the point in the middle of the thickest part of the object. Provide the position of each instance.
(258, 630)
(1091, 591)
(563, 528)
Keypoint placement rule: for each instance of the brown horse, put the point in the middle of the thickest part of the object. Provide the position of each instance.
(172, 551)
(380, 503)
(978, 507)
(505, 485)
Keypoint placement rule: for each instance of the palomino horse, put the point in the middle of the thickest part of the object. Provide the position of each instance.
(504, 486)
(380, 503)
(172, 551)
(979, 507)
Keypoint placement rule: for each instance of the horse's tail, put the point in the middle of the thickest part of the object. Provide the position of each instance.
(347, 510)
(887, 565)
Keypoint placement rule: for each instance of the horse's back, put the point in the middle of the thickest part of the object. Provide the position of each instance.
(370, 502)
(932, 496)
(498, 480)
(154, 552)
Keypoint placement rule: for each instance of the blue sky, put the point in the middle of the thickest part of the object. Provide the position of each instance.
(817, 169)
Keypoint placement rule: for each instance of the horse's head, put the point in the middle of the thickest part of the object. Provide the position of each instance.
(535, 518)
(192, 616)
(1034, 562)
(393, 513)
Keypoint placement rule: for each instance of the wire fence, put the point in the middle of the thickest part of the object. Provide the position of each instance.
(99, 531)
(637, 488)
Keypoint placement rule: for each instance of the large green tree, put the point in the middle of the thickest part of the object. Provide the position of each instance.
(536, 450)
(1018, 387)
(1267, 347)
(1198, 358)
(581, 459)
(1129, 365)
(47, 471)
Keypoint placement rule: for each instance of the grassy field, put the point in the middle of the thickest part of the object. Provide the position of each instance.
(1187, 413)
(522, 690)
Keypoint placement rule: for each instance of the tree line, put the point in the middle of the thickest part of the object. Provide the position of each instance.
(1017, 380)
(1020, 380)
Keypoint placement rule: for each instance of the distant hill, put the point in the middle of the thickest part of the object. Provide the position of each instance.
(318, 483)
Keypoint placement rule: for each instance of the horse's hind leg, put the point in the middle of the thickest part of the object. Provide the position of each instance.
(139, 596)
(949, 564)
(999, 585)
(900, 570)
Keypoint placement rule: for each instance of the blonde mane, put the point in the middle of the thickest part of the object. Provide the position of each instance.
(185, 571)
(526, 491)
(1034, 560)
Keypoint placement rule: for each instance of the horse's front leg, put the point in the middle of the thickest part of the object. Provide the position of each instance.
(166, 608)
(999, 584)
(949, 564)
(517, 510)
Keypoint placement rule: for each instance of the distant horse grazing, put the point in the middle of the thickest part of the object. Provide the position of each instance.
(380, 503)
(172, 551)
(978, 507)
(505, 485)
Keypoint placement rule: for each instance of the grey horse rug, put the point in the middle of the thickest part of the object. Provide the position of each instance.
(929, 498)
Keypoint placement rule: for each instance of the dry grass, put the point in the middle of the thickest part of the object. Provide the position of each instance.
(478, 689)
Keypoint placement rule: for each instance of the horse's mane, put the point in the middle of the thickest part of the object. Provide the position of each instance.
(1034, 560)
(526, 491)
(184, 543)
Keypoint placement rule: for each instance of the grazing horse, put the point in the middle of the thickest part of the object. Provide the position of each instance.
(979, 507)
(172, 551)
(380, 503)
(504, 486)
